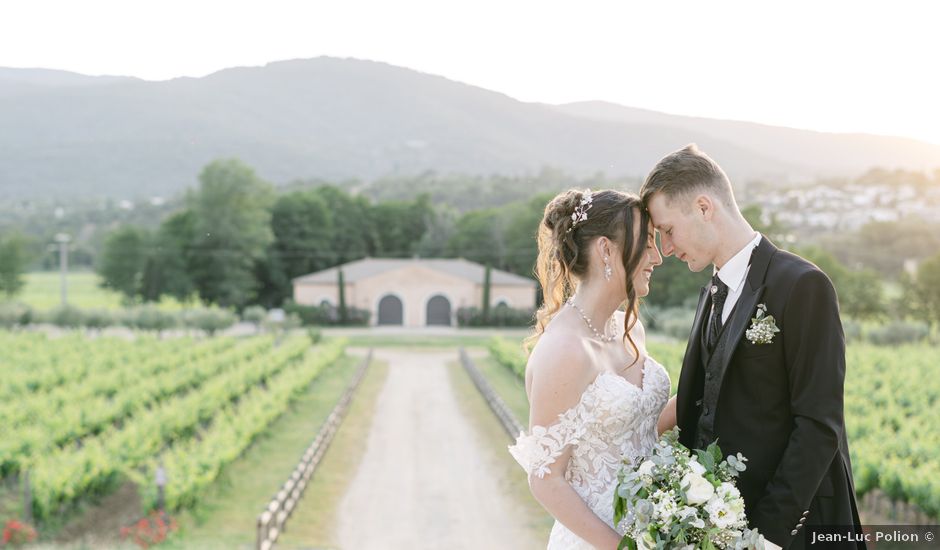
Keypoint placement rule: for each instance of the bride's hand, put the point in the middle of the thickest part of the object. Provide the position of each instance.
(667, 418)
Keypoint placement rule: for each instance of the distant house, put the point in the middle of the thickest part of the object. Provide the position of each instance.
(414, 292)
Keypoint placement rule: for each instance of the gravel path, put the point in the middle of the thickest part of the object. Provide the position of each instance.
(423, 480)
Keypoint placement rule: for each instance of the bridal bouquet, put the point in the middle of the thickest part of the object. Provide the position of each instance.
(673, 499)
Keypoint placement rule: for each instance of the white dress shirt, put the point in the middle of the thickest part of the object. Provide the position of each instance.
(734, 273)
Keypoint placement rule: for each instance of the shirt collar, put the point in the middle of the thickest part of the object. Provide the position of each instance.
(733, 272)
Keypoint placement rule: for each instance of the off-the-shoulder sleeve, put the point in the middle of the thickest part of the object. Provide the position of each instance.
(536, 451)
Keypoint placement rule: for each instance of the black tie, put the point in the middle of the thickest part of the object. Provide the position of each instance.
(719, 291)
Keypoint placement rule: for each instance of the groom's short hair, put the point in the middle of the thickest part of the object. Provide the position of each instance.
(684, 173)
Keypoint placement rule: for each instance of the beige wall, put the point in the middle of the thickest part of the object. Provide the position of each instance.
(414, 286)
(515, 296)
(309, 294)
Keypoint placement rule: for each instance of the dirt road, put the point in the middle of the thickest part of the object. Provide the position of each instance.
(423, 482)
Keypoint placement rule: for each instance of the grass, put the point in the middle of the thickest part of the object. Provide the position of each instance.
(313, 521)
(42, 292)
(495, 441)
(506, 385)
(227, 516)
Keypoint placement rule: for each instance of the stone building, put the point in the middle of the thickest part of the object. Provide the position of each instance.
(414, 292)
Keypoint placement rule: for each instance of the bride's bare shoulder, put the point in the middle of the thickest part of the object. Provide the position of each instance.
(559, 368)
(556, 349)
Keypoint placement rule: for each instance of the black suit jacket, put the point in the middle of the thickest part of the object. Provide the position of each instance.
(779, 404)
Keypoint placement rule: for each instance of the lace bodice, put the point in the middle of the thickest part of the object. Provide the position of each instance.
(613, 419)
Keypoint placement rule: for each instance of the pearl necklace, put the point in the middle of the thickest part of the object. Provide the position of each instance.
(602, 337)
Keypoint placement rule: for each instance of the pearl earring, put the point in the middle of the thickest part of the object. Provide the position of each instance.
(608, 272)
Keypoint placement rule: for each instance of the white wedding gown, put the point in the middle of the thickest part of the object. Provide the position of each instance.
(613, 419)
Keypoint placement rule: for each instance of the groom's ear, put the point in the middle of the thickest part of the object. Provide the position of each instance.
(705, 207)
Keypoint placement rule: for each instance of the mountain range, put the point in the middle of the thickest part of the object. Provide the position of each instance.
(66, 135)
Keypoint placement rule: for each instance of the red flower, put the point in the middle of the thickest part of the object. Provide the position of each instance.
(150, 530)
(16, 533)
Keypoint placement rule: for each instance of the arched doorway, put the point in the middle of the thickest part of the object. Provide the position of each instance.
(439, 311)
(391, 311)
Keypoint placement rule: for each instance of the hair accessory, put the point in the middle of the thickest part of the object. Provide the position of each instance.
(580, 212)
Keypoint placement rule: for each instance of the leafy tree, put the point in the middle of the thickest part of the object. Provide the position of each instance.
(884, 246)
(399, 226)
(861, 294)
(673, 285)
(167, 270)
(503, 237)
(928, 289)
(480, 237)
(521, 230)
(123, 259)
(14, 257)
(232, 230)
(352, 234)
(441, 227)
(302, 224)
(486, 293)
(772, 228)
(303, 228)
(341, 284)
(908, 304)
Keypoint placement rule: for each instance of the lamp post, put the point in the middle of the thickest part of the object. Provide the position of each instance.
(63, 239)
(160, 479)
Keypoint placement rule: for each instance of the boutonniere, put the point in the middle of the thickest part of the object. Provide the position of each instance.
(762, 328)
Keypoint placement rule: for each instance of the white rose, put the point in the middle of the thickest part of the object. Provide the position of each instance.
(646, 469)
(697, 489)
(696, 467)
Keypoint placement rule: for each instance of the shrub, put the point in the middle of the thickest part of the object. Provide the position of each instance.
(852, 330)
(898, 332)
(97, 318)
(327, 315)
(508, 354)
(674, 321)
(151, 318)
(500, 316)
(254, 315)
(66, 317)
(14, 314)
(209, 320)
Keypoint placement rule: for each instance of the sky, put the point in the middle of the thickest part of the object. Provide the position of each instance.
(827, 65)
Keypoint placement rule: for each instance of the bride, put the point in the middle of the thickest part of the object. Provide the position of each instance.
(595, 395)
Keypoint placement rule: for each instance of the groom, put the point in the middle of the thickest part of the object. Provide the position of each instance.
(771, 389)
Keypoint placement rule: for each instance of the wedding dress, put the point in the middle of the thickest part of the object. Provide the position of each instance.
(613, 419)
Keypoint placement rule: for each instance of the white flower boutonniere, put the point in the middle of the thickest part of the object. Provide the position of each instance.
(762, 328)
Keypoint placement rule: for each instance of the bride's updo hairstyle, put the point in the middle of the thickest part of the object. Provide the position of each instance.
(564, 241)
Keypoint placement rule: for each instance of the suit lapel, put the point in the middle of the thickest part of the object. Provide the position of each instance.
(692, 359)
(743, 309)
